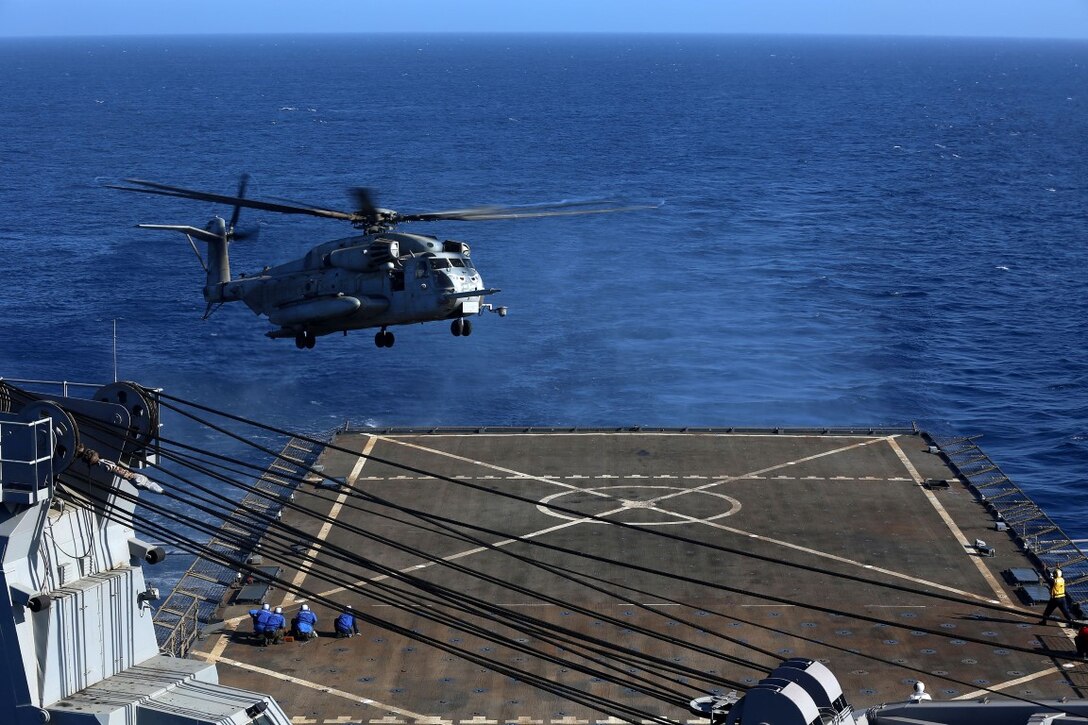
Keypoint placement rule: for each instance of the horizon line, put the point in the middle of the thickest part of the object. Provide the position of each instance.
(531, 33)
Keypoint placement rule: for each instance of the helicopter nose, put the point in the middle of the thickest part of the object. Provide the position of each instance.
(443, 281)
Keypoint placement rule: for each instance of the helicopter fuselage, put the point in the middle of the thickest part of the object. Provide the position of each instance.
(364, 281)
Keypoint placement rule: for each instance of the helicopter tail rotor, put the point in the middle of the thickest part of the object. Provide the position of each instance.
(235, 234)
(243, 182)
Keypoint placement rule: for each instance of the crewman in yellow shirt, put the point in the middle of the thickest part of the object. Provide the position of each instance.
(1057, 599)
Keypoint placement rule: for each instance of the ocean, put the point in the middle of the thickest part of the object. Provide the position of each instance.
(852, 231)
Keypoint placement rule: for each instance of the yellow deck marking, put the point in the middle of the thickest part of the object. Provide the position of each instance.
(224, 637)
(311, 556)
(313, 686)
(986, 574)
(1010, 683)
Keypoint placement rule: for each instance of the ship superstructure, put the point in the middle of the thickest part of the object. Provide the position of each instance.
(75, 611)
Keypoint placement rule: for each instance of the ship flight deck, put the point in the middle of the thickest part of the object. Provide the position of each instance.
(537, 576)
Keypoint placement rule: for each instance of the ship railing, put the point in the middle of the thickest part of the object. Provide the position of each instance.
(207, 582)
(62, 388)
(1035, 532)
(349, 428)
(179, 637)
(26, 462)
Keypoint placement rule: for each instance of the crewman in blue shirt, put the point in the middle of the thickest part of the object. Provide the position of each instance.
(304, 624)
(260, 622)
(346, 625)
(274, 627)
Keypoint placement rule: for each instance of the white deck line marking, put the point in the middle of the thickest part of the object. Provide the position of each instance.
(311, 555)
(825, 555)
(509, 471)
(457, 555)
(313, 686)
(545, 479)
(814, 552)
(851, 562)
(917, 478)
(507, 542)
(1010, 683)
(806, 459)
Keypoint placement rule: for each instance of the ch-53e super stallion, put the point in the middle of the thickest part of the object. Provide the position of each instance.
(378, 278)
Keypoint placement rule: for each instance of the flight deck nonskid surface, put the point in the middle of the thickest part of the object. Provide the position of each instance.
(741, 549)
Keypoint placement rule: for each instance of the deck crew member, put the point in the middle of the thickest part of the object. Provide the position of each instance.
(304, 624)
(273, 632)
(920, 694)
(1057, 599)
(346, 624)
(260, 621)
(255, 614)
(1081, 640)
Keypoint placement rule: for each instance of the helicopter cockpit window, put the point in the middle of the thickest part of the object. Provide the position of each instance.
(437, 264)
(457, 262)
(468, 263)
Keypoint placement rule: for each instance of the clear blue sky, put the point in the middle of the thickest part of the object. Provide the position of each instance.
(990, 18)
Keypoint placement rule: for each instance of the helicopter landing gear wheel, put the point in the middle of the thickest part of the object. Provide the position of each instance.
(311, 340)
(457, 327)
(305, 340)
(384, 338)
(466, 328)
(300, 340)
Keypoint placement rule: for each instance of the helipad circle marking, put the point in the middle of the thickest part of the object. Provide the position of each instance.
(625, 504)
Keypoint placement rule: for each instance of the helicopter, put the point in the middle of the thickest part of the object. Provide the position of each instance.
(378, 278)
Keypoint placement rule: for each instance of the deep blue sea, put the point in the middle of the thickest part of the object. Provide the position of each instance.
(854, 230)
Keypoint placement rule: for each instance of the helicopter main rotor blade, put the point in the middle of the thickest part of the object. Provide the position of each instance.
(153, 187)
(370, 216)
(490, 213)
(364, 202)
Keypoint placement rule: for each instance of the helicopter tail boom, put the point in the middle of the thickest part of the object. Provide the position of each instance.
(188, 231)
(218, 264)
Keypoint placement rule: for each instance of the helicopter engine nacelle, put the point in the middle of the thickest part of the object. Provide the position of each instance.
(456, 247)
(364, 258)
